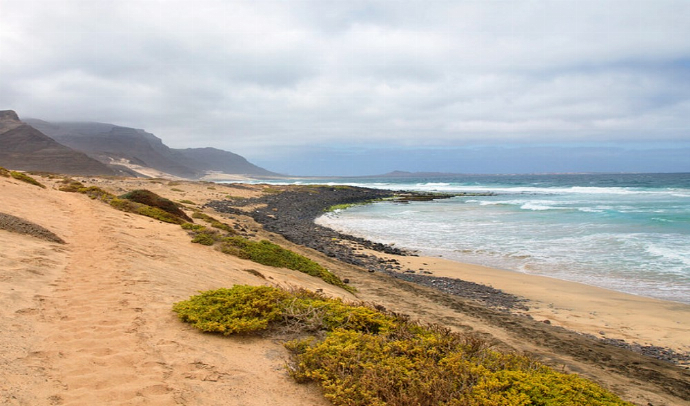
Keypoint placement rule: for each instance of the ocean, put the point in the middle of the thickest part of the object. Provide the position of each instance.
(624, 232)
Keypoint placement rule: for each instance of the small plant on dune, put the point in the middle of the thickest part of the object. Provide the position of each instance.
(362, 356)
(196, 228)
(267, 253)
(151, 199)
(70, 185)
(215, 223)
(205, 239)
(4, 172)
(241, 309)
(26, 178)
(185, 201)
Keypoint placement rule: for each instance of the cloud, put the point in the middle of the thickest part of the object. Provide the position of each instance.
(256, 77)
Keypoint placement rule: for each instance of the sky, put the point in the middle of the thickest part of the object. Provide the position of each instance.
(350, 87)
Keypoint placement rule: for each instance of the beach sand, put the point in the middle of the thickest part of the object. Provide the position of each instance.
(90, 321)
(575, 306)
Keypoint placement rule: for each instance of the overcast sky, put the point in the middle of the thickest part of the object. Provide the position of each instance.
(361, 87)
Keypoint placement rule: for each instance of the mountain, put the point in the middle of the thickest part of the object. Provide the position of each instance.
(113, 145)
(139, 150)
(205, 160)
(23, 147)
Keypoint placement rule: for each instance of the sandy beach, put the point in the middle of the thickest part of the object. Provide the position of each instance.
(90, 321)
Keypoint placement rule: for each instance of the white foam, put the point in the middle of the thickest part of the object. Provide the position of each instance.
(537, 207)
(668, 253)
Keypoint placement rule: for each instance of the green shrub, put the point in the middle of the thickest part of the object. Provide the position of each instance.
(151, 199)
(185, 201)
(26, 178)
(214, 222)
(95, 192)
(309, 311)
(4, 172)
(158, 214)
(197, 228)
(241, 309)
(70, 185)
(204, 239)
(267, 253)
(359, 368)
(367, 357)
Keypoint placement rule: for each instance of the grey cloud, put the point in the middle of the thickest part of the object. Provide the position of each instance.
(252, 76)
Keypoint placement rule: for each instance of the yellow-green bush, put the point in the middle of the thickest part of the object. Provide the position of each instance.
(4, 172)
(367, 357)
(26, 178)
(227, 310)
(204, 239)
(214, 222)
(267, 253)
(241, 309)
(198, 228)
(150, 199)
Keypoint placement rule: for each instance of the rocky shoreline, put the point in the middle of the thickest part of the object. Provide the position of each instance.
(291, 213)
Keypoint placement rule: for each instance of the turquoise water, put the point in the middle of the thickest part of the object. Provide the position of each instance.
(629, 233)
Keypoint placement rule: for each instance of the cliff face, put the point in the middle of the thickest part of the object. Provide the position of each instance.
(22, 147)
(110, 143)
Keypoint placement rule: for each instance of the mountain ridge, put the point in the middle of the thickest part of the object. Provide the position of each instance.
(22, 147)
(119, 146)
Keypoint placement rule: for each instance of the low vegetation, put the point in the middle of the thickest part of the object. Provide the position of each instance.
(215, 223)
(124, 204)
(4, 172)
(153, 200)
(262, 252)
(21, 176)
(362, 355)
(266, 253)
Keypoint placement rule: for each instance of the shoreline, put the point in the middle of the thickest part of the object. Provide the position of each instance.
(653, 327)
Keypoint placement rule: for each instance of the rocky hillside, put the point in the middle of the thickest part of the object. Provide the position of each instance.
(113, 145)
(205, 160)
(23, 147)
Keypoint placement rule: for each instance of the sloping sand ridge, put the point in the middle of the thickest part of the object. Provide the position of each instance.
(89, 321)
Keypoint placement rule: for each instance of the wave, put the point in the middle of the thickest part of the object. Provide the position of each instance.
(670, 254)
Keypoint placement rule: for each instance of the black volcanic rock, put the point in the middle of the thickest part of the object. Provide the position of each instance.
(25, 148)
(110, 143)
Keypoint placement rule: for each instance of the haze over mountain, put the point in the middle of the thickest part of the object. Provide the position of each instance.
(116, 146)
(22, 147)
